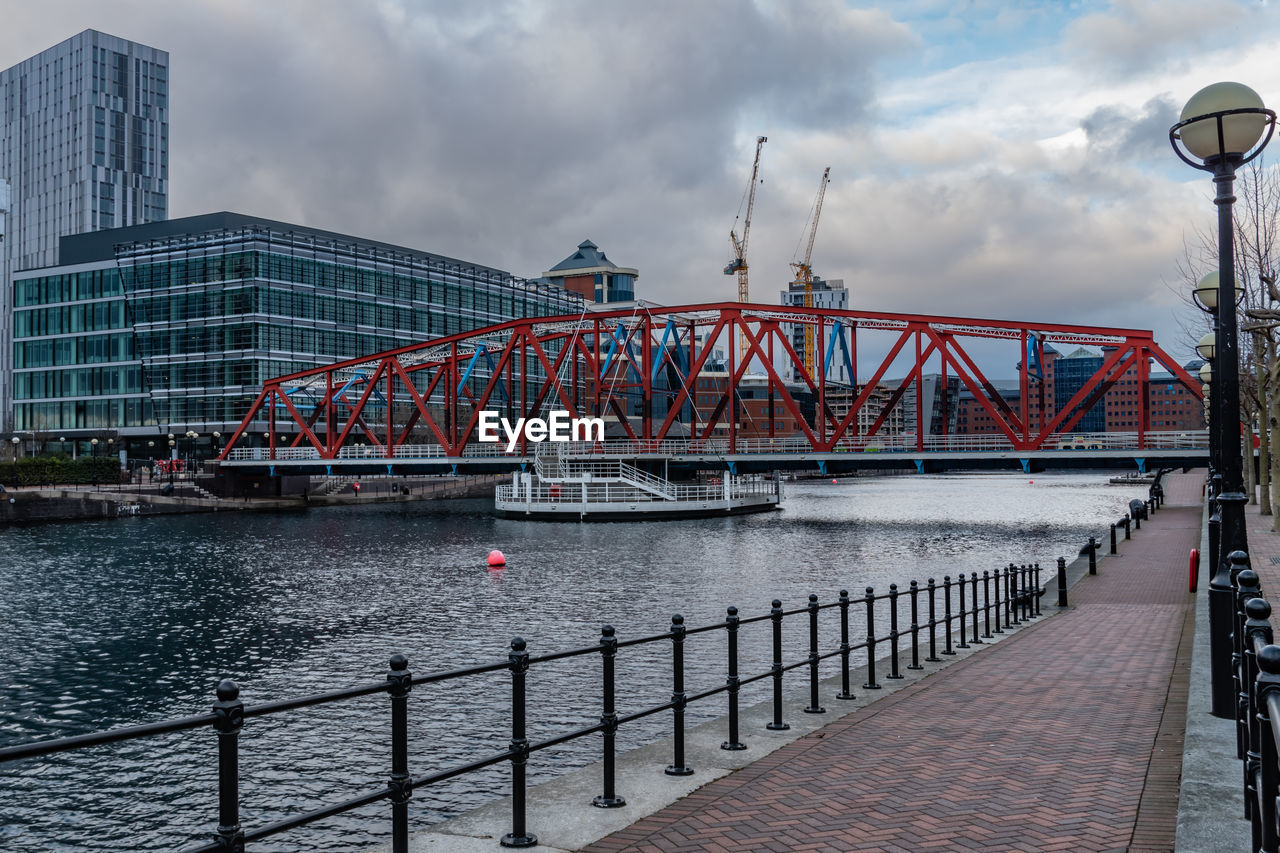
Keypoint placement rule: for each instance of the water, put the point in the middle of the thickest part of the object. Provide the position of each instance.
(104, 624)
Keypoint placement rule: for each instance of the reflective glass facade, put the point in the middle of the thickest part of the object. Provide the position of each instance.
(84, 145)
(180, 332)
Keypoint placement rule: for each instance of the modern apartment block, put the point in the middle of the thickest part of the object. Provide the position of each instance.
(825, 294)
(174, 326)
(84, 145)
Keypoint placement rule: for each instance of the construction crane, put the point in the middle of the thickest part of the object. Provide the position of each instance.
(739, 263)
(804, 274)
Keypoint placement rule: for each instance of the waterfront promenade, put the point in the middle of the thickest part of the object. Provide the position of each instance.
(1068, 736)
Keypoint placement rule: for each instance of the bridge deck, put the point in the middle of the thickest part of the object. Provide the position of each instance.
(1067, 736)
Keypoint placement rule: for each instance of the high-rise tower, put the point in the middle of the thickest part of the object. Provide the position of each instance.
(84, 145)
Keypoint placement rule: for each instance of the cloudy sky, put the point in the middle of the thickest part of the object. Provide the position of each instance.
(989, 158)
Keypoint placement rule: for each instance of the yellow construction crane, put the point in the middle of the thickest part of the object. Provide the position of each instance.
(739, 263)
(804, 274)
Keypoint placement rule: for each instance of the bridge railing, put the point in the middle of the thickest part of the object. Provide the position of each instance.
(1104, 441)
(1008, 597)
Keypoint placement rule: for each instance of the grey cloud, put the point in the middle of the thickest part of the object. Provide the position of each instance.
(1115, 133)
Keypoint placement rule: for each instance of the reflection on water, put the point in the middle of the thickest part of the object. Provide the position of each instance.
(111, 623)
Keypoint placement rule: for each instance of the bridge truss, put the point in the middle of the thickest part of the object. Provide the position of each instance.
(679, 376)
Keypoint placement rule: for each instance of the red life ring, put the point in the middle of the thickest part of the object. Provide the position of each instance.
(1195, 569)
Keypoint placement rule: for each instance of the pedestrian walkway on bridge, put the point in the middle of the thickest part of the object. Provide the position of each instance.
(1066, 736)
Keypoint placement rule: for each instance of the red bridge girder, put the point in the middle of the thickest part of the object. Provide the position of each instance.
(596, 364)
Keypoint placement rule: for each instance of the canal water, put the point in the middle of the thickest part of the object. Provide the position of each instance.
(112, 623)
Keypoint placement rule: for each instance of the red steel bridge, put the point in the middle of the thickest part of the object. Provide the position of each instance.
(719, 385)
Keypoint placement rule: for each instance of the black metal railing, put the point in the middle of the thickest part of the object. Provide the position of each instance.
(1009, 597)
(1255, 668)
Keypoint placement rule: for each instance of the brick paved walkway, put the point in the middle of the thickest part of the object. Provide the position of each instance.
(1067, 736)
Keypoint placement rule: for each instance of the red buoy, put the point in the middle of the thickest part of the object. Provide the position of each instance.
(833, 482)
(496, 559)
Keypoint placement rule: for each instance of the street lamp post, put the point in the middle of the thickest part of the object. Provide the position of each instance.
(93, 469)
(1221, 128)
(17, 448)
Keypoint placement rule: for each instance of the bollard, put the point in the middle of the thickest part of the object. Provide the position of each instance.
(1062, 581)
(893, 632)
(1127, 522)
(915, 627)
(518, 660)
(814, 707)
(734, 683)
(871, 640)
(845, 648)
(963, 613)
(933, 625)
(399, 683)
(678, 698)
(775, 614)
(986, 604)
(1113, 538)
(229, 719)
(1137, 522)
(1093, 556)
(609, 799)
(946, 610)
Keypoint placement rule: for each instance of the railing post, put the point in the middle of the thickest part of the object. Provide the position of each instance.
(1010, 599)
(229, 719)
(1223, 616)
(1264, 817)
(963, 613)
(399, 683)
(1257, 631)
(946, 611)
(1113, 538)
(518, 661)
(996, 605)
(1093, 556)
(678, 697)
(871, 641)
(915, 627)
(775, 614)
(933, 625)
(986, 604)
(973, 582)
(609, 799)
(734, 683)
(893, 632)
(1028, 597)
(814, 707)
(1035, 592)
(1246, 589)
(1062, 581)
(845, 648)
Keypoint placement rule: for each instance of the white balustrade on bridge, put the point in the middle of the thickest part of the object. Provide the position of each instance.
(1126, 442)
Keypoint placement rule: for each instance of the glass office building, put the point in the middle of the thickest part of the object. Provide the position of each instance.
(84, 145)
(174, 326)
